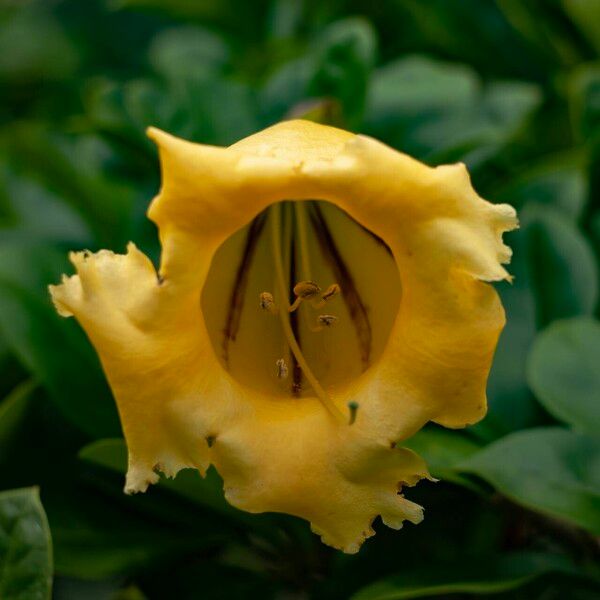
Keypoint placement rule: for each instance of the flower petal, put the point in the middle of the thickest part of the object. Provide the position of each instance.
(179, 407)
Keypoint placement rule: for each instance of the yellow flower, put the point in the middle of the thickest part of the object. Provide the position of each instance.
(320, 298)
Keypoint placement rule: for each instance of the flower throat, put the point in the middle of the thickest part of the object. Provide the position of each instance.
(301, 301)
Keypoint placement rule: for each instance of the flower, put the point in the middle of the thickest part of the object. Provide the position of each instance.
(320, 298)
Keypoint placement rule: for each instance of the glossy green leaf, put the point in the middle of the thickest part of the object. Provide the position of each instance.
(551, 470)
(542, 31)
(586, 16)
(564, 372)
(344, 57)
(203, 108)
(33, 46)
(562, 267)
(243, 17)
(101, 532)
(510, 403)
(14, 411)
(204, 491)
(442, 451)
(112, 537)
(76, 168)
(216, 581)
(188, 51)
(68, 588)
(34, 332)
(471, 32)
(584, 96)
(479, 576)
(97, 530)
(558, 183)
(555, 277)
(441, 111)
(25, 547)
(38, 214)
(337, 66)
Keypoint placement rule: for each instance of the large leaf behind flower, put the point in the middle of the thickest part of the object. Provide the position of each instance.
(564, 372)
(551, 470)
(55, 350)
(488, 575)
(25, 547)
(442, 111)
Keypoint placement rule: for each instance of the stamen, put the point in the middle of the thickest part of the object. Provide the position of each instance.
(327, 320)
(304, 290)
(275, 223)
(282, 368)
(353, 408)
(333, 290)
(267, 303)
(359, 314)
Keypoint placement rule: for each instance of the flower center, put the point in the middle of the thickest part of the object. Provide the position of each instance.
(301, 301)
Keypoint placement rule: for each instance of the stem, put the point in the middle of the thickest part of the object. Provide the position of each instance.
(275, 224)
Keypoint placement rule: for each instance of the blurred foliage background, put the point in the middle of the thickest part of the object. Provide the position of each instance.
(511, 88)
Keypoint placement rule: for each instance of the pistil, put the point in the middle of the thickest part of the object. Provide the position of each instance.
(275, 228)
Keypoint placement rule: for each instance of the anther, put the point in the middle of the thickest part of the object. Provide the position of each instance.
(327, 320)
(353, 408)
(304, 290)
(330, 292)
(324, 321)
(267, 303)
(282, 369)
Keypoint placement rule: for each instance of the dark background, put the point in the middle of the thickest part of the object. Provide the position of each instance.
(512, 88)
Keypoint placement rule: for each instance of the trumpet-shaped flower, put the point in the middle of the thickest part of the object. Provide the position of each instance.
(320, 298)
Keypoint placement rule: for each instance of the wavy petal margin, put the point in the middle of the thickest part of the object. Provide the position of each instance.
(180, 408)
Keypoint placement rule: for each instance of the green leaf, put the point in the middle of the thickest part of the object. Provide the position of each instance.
(344, 56)
(510, 403)
(490, 575)
(562, 267)
(216, 582)
(337, 65)
(586, 15)
(25, 547)
(38, 214)
(204, 491)
(34, 332)
(107, 538)
(584, 96)
(558, 182)
(554, 471)
(188, 51)
(33, 46)
(469, 31)
(544, 31)
(564, 373)
(14, 410)
(77, 169)
(441, 111)
(207, 109)
(443, 450)
(242, 17)
(97, 530)
(67, 588)
(555, 277)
